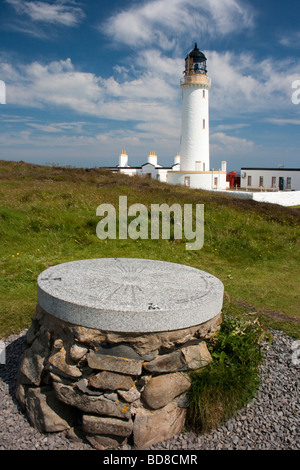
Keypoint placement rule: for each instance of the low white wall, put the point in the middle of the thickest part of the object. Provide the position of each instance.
(128, 171)
(289, 198)
(283, 198)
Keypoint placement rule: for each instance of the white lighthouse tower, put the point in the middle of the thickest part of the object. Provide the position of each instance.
(194, 145)
(194, 148)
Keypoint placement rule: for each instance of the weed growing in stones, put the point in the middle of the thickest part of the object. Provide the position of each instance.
(232, 379)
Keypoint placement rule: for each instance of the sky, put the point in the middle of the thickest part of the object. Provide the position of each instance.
(88, 79)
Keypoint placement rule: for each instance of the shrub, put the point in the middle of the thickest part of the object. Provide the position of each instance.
(231, 380)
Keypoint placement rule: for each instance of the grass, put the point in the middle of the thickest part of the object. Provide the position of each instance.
(48, 216)
(231, 380)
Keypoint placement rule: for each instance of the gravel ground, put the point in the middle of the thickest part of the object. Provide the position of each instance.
(269, 422)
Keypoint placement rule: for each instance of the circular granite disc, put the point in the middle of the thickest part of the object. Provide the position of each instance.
(130, 295)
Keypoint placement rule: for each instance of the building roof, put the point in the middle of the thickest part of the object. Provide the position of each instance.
(195, 53)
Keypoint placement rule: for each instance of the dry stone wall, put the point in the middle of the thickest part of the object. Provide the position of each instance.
(109, 388)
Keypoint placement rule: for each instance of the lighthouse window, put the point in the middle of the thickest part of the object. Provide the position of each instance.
(203, 94)
(199, 67)
(203, 123)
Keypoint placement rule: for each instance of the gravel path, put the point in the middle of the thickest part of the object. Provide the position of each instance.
(269, 422)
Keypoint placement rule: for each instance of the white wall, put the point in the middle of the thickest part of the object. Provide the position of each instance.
(286, 198)
(199, 180)
(148, 169)
(128, 171)
(194, 138)
(163, 175)
(283, 198)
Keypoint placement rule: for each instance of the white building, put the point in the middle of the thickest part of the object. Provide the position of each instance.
(151, 169)
(270, 179)
(192, 166)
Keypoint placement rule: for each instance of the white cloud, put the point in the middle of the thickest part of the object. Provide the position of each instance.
(53, 13)
(156, 64)
(229, 127)
(283, 121)
(146, 96)
(56, 83)
(241, 84)
(290, 39)
(148, 100)
(160, 22)
(152, 99)
(230, 144)
(58, 127)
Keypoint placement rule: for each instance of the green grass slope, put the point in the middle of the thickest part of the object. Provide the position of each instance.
(48, 216)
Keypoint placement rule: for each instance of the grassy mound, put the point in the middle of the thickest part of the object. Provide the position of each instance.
(48, 216)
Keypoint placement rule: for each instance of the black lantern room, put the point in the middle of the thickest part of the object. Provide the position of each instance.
(195, 62)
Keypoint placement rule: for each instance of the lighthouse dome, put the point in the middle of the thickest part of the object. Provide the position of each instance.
(195, 62)
(196, 54)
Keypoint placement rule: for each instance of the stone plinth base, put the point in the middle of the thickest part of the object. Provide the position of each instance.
(112, 388)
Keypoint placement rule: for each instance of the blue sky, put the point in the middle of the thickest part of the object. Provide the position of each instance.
(87, 79)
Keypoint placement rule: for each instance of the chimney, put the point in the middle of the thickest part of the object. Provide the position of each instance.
(152, 158)
(123, 159)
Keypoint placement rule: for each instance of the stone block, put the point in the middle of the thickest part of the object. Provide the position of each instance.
(196, 356)
(106, 442)
(102, 425)
(32, 363)
(125, 350)
(32, 331)
(20, 393)
(171, 362)
(111, 381)
(77, 352)
(131, 395)
(59, 360)
(161, 390)
(88, 336)
(151, 427)
(46, 413)
(82, 385)
(114, 364)
(90, 404)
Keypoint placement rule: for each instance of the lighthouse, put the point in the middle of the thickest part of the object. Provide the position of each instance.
(192, 164)
(195, 86)
(195, 169)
